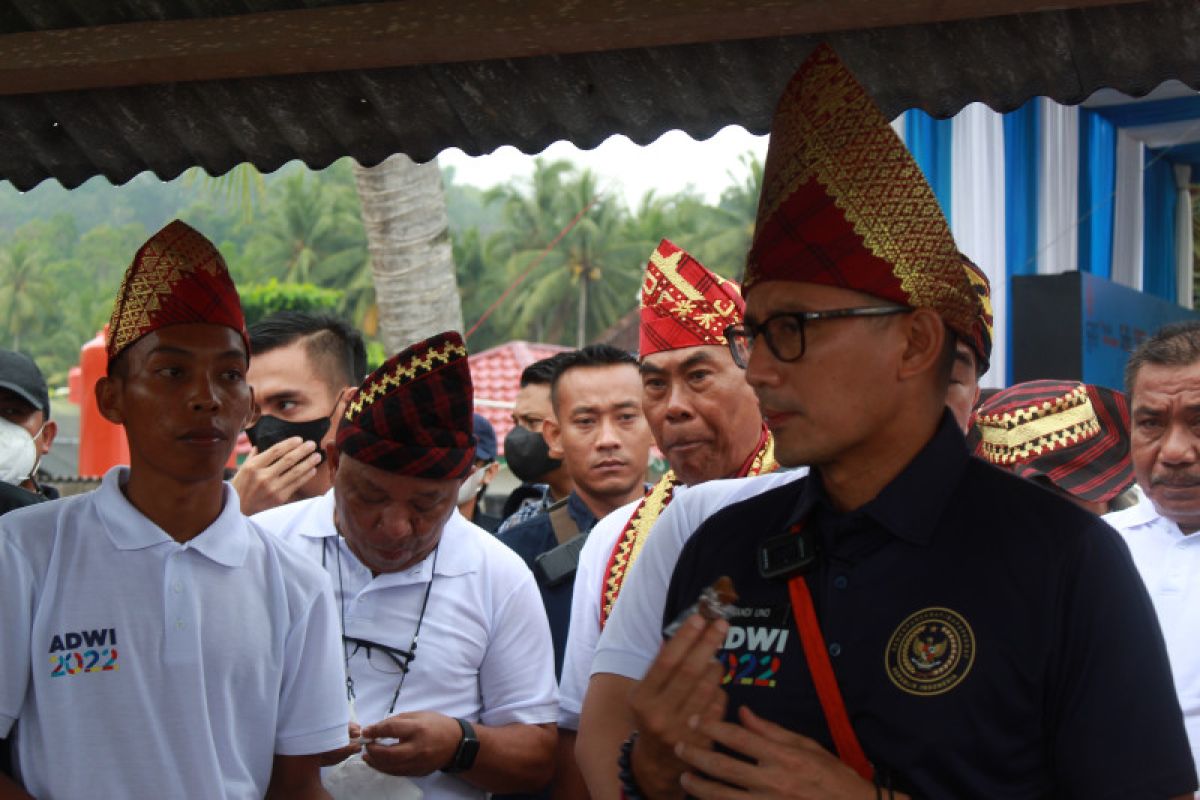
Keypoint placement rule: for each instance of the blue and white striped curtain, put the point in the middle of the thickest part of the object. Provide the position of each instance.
(1048, 189)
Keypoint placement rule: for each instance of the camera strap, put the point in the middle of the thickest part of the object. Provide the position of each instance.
(817, 655)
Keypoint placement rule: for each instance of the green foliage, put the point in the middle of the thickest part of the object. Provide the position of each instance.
(295, 239)
(264, 299)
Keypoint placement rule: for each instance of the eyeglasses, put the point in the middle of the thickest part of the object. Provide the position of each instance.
(380, 657)
(784, 332)
(388, 660)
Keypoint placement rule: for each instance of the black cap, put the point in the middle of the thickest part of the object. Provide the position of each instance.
(21, 376)
(485, 439)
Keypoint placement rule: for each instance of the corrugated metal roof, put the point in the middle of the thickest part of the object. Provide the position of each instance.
(532, 102)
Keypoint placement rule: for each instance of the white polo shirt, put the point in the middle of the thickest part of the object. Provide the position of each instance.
(133, 665)
(484, 652)
(1169, 563)
(632, 638)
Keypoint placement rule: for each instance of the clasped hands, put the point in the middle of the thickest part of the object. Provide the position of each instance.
(679, 708)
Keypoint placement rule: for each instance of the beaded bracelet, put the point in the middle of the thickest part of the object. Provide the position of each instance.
(629, 788)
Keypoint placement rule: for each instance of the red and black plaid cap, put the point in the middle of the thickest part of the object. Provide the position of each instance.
(1075, 435)
(177, 277)
(413, 415)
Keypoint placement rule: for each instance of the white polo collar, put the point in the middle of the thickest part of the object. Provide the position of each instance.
(224, 541)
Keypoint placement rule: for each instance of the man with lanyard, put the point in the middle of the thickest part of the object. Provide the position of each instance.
(948, 629)
(703, 417)
(634, 633)
(178, 650)
(472, 710)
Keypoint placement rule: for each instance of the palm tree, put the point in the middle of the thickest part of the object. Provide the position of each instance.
(404, 215)
(590, 278)
(22, 267)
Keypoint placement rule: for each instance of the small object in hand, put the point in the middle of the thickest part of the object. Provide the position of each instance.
(715, 602)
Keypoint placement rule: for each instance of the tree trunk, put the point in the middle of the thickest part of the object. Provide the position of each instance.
(581, 325)
(404, 213)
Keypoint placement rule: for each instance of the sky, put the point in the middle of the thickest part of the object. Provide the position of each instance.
(668, 165)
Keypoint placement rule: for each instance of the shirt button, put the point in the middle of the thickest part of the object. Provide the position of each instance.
(840, 582)
(176, 587)
(179, 625)
(835, 649)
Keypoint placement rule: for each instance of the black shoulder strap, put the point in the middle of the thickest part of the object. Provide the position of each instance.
(562, 522)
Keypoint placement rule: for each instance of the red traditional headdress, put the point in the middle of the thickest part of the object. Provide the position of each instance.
(683, 303)
(413, 415)
(177, 277)
(844, 204)
(981, 336)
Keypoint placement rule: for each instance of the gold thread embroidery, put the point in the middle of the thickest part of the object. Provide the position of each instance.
(402, 374)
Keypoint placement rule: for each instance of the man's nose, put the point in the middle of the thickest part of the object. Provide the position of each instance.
(1179, 446)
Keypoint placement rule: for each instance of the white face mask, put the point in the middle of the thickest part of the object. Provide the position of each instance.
(18, 453)
(470, 487)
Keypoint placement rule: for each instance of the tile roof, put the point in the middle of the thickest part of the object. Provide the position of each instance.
(496, 373)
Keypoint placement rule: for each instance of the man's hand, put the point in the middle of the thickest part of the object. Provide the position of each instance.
(341, 754)
(683, 683)
(782, 764)
(427, 742)
(271, 478)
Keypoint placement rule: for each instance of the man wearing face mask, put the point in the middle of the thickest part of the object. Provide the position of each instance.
(473, 710)
(26, 431)
(470, 494)
(545, 480)
(304, 365)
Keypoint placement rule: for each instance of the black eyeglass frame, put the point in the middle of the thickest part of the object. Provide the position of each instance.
(410, 654)
(747, 332)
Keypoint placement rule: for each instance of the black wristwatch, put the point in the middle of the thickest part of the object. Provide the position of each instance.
(468, 749)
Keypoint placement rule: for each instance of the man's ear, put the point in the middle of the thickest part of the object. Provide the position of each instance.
(333, 456)
(49, 431)
(108, 400)
(553, 436)
(925, 343)
(255, 411)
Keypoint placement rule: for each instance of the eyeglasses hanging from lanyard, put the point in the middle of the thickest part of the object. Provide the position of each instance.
(381, 657)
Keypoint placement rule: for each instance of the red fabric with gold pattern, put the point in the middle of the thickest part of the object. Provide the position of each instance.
(414, 415)
(981, 335)
(684, 304)
(844, 204)
(177, 277)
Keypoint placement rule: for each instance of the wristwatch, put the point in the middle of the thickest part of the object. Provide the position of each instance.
(468, 749)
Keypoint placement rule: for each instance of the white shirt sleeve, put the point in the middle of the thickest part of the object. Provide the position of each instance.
(313, 713)
(632, 638)
(584, 630)
(516, 677)
(17, 600)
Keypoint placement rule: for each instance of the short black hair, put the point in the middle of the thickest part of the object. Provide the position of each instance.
(541, 373)
(1174, 345)
(333, 345)
(594, 355)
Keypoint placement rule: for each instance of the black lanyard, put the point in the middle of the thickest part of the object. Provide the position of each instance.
(402, 658)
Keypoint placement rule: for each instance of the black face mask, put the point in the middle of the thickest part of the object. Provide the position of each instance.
(528, 455)
(270, 431)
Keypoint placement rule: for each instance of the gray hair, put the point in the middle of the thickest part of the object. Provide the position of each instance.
(1174, 345)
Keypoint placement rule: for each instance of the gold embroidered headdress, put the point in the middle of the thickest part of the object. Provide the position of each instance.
(844, 204)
